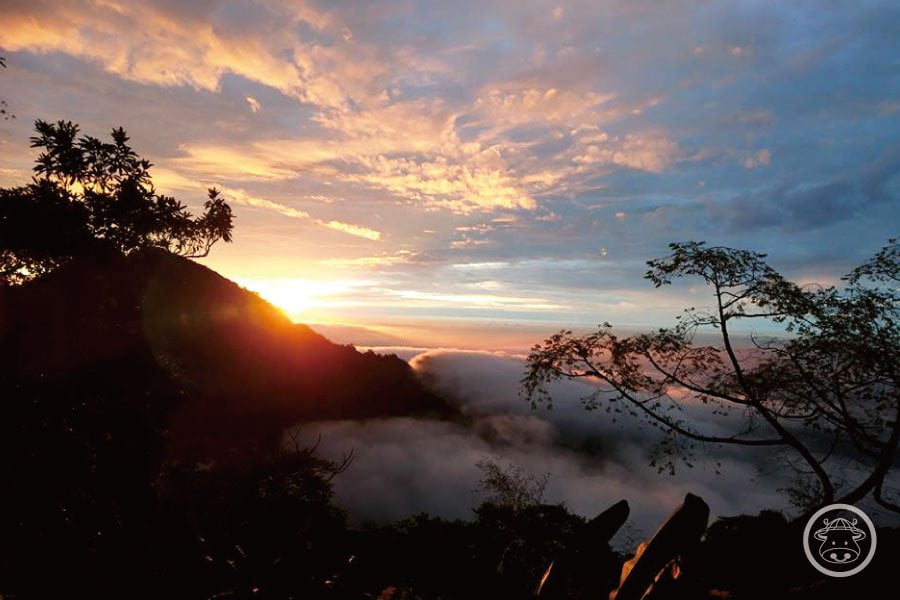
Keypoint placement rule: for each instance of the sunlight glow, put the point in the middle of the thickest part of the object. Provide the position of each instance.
(299, 298)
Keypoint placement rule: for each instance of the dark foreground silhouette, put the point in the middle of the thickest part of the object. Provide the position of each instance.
(143, 401)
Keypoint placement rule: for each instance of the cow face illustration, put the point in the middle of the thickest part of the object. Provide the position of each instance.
(839, 539)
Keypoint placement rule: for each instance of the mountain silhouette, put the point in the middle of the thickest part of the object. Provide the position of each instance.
(234, 370)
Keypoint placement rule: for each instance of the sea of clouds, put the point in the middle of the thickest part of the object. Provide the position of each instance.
(404, 466)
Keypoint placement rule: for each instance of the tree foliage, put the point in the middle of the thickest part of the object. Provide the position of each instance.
(94, 198)
(826, 393)
(510, 486)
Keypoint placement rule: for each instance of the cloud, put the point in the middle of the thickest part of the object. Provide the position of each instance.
(163, 48)
(406, 465)
(653, 152)
(239, 196)
(166, 179)
(357, 230)
(259, 161)
(481, 265)
(477, 300)
(170, 44)
(763, 158)
(514, 105)
(233, 163)
(459, 187)
(382, 260)
(371, 134)
(796, 208)
(468, 242)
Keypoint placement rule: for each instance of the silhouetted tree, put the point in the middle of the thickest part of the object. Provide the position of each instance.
(510, 486)
(93, 198)
(826, 393)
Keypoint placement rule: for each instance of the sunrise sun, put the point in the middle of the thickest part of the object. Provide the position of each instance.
(303, 299)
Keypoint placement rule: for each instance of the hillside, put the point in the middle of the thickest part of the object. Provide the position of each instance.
(144, 400)
(153, 323)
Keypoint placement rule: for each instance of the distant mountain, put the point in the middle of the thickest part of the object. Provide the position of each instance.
(358, 336)
(234, 370)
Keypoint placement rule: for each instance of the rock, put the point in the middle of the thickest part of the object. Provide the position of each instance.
(678, 534)
(588, 560)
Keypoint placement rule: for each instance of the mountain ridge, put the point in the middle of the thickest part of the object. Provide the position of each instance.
(226, 355)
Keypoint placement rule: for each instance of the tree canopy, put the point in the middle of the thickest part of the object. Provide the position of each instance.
(92, 198)
(825, 392)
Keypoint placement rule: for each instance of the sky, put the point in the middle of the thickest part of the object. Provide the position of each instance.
(476, 172)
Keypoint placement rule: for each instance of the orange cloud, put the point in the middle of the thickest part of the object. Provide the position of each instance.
(456, 185)
(169, 47)
(417, 149)
(239, 196)
(515, 106)
(160, 48)
(477, 300)
(363, 232)
(401, 257)
(646, 152)
(166, 180)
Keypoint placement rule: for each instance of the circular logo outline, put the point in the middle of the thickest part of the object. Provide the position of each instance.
(809, 554)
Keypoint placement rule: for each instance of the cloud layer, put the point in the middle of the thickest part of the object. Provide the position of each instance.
(405, 465)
